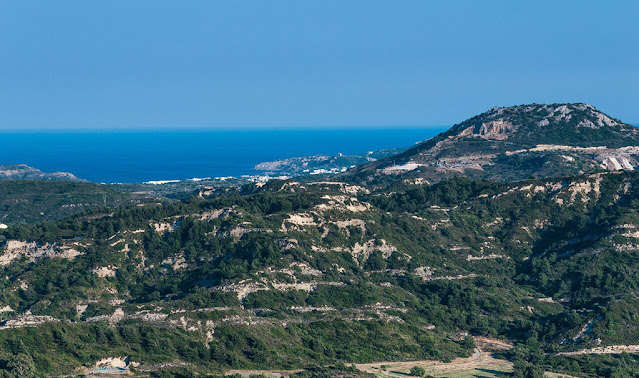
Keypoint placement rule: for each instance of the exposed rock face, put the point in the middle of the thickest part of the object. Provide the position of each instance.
(5, 309)
(210, 215)
(245, 287)
(15, 249)
(496, 129)
(163, 227)
(105, 271)
(361, 252)
(28, 320)
(113, 362)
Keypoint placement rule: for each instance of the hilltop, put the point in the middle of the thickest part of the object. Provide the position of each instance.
(513, 143)
(24, 172)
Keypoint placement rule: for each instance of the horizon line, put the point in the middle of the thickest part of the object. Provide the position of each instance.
(224, 128)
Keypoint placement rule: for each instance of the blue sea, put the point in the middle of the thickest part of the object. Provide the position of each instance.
(138, 156)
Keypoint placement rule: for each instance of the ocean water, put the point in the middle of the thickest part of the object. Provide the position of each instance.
(127, 156)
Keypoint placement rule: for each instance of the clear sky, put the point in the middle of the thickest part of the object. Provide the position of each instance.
(206, 64)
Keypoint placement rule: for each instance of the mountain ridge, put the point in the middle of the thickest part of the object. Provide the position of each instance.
(497, 143)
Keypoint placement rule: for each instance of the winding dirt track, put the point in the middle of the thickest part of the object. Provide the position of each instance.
(479, 360)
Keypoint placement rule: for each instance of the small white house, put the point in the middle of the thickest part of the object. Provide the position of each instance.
(3, 226)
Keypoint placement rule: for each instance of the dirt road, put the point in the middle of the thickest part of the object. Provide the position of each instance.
(479, 362)
(268, 373)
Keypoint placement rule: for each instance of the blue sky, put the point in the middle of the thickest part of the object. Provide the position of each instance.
(78, 64)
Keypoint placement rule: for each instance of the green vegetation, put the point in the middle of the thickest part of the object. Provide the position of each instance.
(379, 302)
(40, 201)
(417, 371)
(316, 276)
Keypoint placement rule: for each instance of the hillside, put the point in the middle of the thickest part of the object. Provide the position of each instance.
(513, 143)
(434, 266)
(23, 201)
(273, 275)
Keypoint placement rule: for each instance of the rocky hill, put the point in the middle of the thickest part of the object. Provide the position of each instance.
(513, 143)
(24, 172)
